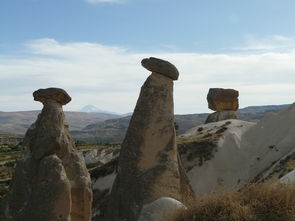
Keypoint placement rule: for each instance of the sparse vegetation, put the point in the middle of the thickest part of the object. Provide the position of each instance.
(256, 202)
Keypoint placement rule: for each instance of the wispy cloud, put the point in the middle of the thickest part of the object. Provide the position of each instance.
(110, 77)
(269, 43)
(104, 1)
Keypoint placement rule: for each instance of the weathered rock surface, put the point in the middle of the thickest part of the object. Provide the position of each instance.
(216, 157)
(161, 67)
(57, 94)
(289, 178)
(148, 163)
(100, 156)
(231, 153)
(220, 99)
(221, 115)
(160, 209)
(51, 181)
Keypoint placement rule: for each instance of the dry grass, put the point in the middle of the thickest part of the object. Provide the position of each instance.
(257, 202)
(290, 165)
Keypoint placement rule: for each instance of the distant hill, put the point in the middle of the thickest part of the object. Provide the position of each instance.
(19, 122)
(104, 127)
(92, 109)
(113, 130)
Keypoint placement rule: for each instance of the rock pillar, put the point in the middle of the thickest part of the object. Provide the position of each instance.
(149, 167)
(51, 182)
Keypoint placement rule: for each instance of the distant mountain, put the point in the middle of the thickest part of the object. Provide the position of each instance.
(19, 122)
(113, 130)
(92, 109)
(105, 127)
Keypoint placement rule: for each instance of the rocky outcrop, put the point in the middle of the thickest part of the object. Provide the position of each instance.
(221, 115)
(223, 99)
(225, 102)
(149, 166)
(229, 154)
(51, 181)
(215, 156)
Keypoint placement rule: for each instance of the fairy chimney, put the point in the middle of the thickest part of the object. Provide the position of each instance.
(149, 166)
(51, 181)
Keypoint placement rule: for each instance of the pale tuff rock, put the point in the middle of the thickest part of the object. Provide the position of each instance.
(221, 115)
(148, 163)
(51, 181)
(223, 99)
(231, 153)
(289, 178)
(225, 102)
(160, 209)
(160, 66)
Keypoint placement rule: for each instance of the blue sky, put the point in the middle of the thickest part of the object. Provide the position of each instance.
(93, 48)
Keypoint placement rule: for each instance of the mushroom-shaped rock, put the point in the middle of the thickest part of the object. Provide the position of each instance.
(161, 67)
(51, 181)
(220, 99)
(148, 162)
(57, 94)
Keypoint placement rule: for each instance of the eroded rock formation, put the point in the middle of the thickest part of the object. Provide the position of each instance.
(225, 102)
(149, 166)
(51, 181)
(229, 154)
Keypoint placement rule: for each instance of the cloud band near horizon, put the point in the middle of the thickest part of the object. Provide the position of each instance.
(110, 77)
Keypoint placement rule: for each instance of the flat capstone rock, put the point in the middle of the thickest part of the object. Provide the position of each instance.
(57, 94)
(161, 67)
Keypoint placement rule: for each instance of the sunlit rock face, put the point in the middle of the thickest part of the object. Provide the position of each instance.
(224, 102)
(227, 155)
(51, 181)
(149, 166)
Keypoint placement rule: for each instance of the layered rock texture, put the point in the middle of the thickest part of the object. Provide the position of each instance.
(51, 181)
(149, 166)
(225, 102)
(223, 155)
(229, 154)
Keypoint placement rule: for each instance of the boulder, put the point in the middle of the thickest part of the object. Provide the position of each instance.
(160, 66)
(160, 209)
(221, 115)
(220, 99)
(57, 94)
(51, 181)
(149, 165)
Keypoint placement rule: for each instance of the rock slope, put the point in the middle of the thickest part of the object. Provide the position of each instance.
(230, 154)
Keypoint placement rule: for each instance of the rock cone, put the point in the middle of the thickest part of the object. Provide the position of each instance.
(225, 102)
(149, 166)
(51, 181)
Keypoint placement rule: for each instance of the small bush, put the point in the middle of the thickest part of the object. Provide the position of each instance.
(257, 202)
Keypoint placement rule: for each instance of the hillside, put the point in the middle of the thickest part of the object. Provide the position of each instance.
(113, 130)
(18, 122)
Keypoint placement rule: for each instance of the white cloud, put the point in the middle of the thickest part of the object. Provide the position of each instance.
(270, 43)
(104, 1)
(110, 77)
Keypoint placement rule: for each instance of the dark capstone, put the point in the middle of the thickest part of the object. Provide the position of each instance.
(161, 67)
(57, 94)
